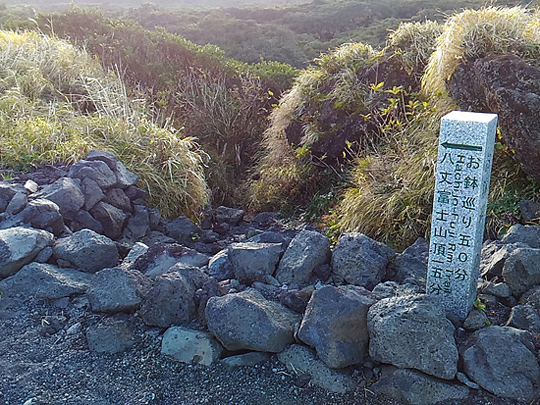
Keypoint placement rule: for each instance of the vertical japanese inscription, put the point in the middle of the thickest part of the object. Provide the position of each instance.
(459, 207)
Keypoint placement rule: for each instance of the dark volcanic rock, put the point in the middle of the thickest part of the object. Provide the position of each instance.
(510, 87)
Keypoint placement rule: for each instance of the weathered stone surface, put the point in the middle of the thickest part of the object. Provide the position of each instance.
(335, 324)
(47, 281)
(138, 225)
(87, 251)
(65, 193)
(453, 274)
(254, 261)
(220, 266)
(501, 360)
(500, 290)
(390, 289)
(7, 192)
(124, 178)
(527, 234)
(43, 214)
(231, 216)
(401, 326)
(412, 387)
(111, 218)
(412, 263)
(494, 254)
(171, 301)
(306, 251)
(272, 237)
(161, 257)
(137, 195)
(110, 336)
(19, 246)
(521, 270)
(358, 259)
(95, 170)
(182, 230)
(92, 193)
(529, 209)
(17, 203)
(296, 300)
(247, 321)
(475, 320)
(524, 317)
(531, 297)
(117, 290)
(83, 220)
(246, 360)
(510, 87)
(117, 198)
(135, 252)
(302, 361)
(190, 346)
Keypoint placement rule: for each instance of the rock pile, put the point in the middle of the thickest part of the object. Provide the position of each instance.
(236, 291)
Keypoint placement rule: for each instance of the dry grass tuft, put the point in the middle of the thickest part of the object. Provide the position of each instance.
(475, 33)
(56, 103)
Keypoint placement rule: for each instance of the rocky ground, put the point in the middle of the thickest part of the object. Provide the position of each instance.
(241, 310)
(45, 360)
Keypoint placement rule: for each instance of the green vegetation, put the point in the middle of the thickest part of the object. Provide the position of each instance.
(220, 101)
(349, 142)
(57, 103)
(296, 34)
(389, 165)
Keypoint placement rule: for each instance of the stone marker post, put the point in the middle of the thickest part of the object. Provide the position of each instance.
(459, 208)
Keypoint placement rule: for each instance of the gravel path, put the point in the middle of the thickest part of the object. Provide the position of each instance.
(40, 363)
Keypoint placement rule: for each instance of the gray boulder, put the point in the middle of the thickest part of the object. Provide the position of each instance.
(246, 360)
(83, 220)
(95, 170)
(118, 198)
(41, 280)
(7, 192)
(161, 257)
(525, 317)
(248, 321)
(335, 324)
(413, 332)
(111, 218)
(254, 261)
(531, 297)
(306, 251)
(65, 193)
(17, 203)
(183, 230)
(529, 209)
(138, 225)
(390, 289)
(110, 336)
(124, 178)
(117, 290)
(501, 360)
(220, 266)
(526, 234)
(360, 260)
(494, 254)
(136, 251)
(171, 301)
(521, 270)
(230, 216)
(86, 250)
(19, 246)
(475, 320)
(92, 193)
(415, 388)
(42, 214)
(190, 346)
(302, 361)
